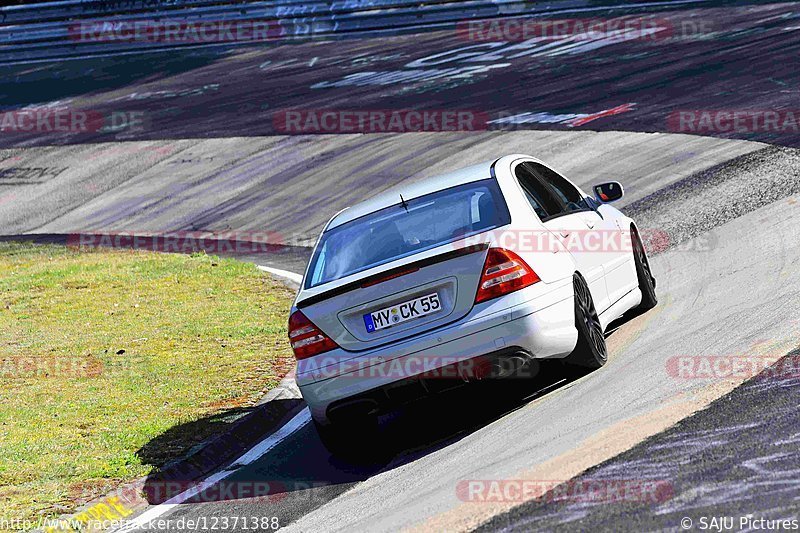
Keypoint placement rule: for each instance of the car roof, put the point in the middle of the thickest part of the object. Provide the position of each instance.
(411, 190)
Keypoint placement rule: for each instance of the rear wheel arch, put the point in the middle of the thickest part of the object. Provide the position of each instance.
(590, 350)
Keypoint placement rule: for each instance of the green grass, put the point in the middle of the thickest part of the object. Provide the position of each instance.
(102, 351)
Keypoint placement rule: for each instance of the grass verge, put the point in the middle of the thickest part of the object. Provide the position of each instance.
(102, 351)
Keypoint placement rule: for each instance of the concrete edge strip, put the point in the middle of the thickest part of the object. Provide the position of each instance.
(291, 276)
(200, 469)
(251, 455)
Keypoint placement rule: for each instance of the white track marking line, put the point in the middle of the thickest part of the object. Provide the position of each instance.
(257, 451)
(297, 278)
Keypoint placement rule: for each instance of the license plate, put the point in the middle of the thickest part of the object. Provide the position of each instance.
(397, 314)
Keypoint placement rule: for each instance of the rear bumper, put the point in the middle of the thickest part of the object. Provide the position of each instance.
(509, 363)
(541, 327)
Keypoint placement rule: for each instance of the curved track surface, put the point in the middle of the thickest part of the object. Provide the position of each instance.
(717, 300)
(728, 272)
(290, 186)
(703, 57)
(727, 284)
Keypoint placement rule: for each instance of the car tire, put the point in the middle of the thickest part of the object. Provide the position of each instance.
(647, 283)
(356, 441)
(590, 350)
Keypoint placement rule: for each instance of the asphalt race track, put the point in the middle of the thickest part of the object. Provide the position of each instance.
(708, 288)
(211, 158)
(705, 285)
(755, 473)
(289, 185)
(716, 302)
(697, 58)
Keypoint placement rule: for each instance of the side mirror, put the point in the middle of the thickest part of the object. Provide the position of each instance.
(608, 192)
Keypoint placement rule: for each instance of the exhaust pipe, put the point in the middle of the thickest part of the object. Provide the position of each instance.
(350, 409)
(510, 365)
(496, 366)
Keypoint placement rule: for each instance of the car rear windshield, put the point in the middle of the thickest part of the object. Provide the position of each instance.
(406, 229)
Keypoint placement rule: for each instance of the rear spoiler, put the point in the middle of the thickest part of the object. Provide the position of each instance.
(390, 274)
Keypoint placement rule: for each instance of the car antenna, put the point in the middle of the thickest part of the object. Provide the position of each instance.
(403, 203)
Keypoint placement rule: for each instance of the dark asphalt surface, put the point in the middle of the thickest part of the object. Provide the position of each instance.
(287, 187)
(737, 457)
(301, 475)
(710, 463)
(736, 58)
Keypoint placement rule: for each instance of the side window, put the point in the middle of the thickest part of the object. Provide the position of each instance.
(592, 203)
(537, 194)
(570, 197)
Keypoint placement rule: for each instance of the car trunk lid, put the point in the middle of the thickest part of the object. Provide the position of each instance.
(449, 273)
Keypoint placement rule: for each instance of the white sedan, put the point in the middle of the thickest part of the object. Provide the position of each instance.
(461, 277)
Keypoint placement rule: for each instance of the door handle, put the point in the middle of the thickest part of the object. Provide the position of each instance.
(590, 224)
(564, 234)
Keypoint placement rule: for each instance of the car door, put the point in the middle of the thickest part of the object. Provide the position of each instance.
(580, 228)
(536, 243)
(619, 266)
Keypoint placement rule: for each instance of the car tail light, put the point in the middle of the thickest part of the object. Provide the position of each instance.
(503, 272)
(307, 340)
